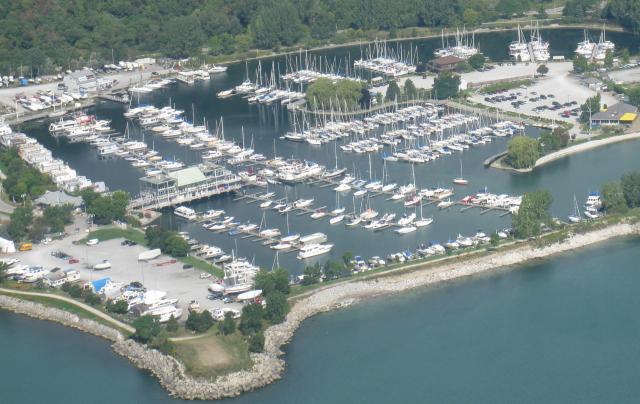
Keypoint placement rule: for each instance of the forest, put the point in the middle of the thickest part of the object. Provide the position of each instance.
(42, 35)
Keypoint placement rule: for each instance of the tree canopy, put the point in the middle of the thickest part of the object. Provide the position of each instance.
(533, 212)
(22, 182)
(325, 93)
(45, 35)
(446, 85)
(522, 152)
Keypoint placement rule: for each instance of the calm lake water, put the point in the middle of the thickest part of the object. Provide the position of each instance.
(562, 330)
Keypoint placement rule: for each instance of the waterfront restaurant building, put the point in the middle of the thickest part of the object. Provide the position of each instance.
(616, 114)
(182, 186)
(445, 64)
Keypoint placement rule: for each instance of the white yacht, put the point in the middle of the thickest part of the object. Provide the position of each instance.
(312, 250)
(185, 213)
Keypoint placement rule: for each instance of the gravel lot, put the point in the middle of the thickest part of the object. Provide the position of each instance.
(626, 75)
(185, 285)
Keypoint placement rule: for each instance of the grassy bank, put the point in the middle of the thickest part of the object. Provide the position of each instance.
(213, 355)
(66, 306)
(110, 233)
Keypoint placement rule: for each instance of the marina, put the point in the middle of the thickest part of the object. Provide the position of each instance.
(185, 125)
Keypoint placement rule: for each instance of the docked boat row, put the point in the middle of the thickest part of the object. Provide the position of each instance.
(595, 51)
(464, 45)
(536, 50)
(39, 157)
(379, 58)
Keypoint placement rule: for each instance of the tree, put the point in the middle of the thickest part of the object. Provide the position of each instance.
(533, 212)
(608, 59)
(147, 327)
(477, 61)
(172, 325)
(494, 240)
(631, 188)
(553, 140)
(251, 320)
(590, 107)
(117, 306)
(311, 274)
(182, 35)
(580, 64)
(228, 325)
(347, 257)
(199, 322)
(256, 343)
(276, 280)
(277, 307)
(542, 70)
(624, 56)
(325, 93)
(634, 95)
(393, 92)
(56, 217)
(21, 219)
(3, 271)
(446, 85)
(91, 298)
(613, 198)
(410, 90)
(508, 8)
(522, 152)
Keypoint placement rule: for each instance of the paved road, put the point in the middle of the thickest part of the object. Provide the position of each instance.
(88, 308)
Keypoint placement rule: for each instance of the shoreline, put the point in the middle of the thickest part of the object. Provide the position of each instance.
(566, 152)
(269, 365)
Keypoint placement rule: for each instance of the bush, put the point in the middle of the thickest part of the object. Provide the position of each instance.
(277, 307)
(256, 343)
(227, 325)
(199, 322)
(251, 320)
(117, 306)
(147, 327)
(172, 324)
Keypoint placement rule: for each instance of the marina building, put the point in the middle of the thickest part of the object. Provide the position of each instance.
(445, 64)
(182, 186)
(616, 114)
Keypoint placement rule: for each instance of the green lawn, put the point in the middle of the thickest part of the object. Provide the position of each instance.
(110, 233)
(213, 355)
(202, 265)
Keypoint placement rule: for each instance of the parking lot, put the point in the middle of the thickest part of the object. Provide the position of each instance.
(162, 273)
(557, 96)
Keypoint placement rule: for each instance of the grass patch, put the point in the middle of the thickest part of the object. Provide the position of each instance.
(213, 355)
(66, 306)
(110, 233)
(202, 265)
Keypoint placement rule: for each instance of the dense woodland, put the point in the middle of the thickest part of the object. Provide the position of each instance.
(40, 35)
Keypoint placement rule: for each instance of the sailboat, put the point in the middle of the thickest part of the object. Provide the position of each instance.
(422, 222)
(460, 180)
(575, 216)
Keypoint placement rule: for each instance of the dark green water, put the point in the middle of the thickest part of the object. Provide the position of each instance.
(562, 331)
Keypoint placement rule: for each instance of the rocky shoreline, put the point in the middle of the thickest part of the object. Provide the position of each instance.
(44, 312)
(269, 366)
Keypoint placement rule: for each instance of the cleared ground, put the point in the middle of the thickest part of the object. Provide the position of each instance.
(626, 75)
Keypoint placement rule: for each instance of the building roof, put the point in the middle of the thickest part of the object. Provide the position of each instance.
(447, 60)
(187, 176)
(59, 198)
(628, 117)
(615, 112)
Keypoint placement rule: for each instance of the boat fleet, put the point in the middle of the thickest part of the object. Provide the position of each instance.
(536, 50)
(464, 47)
(595, 51)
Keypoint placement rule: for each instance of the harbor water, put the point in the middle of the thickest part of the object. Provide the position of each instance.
(557, 331)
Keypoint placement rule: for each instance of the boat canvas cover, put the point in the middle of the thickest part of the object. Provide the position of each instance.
(99, 284)
(149, 255)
